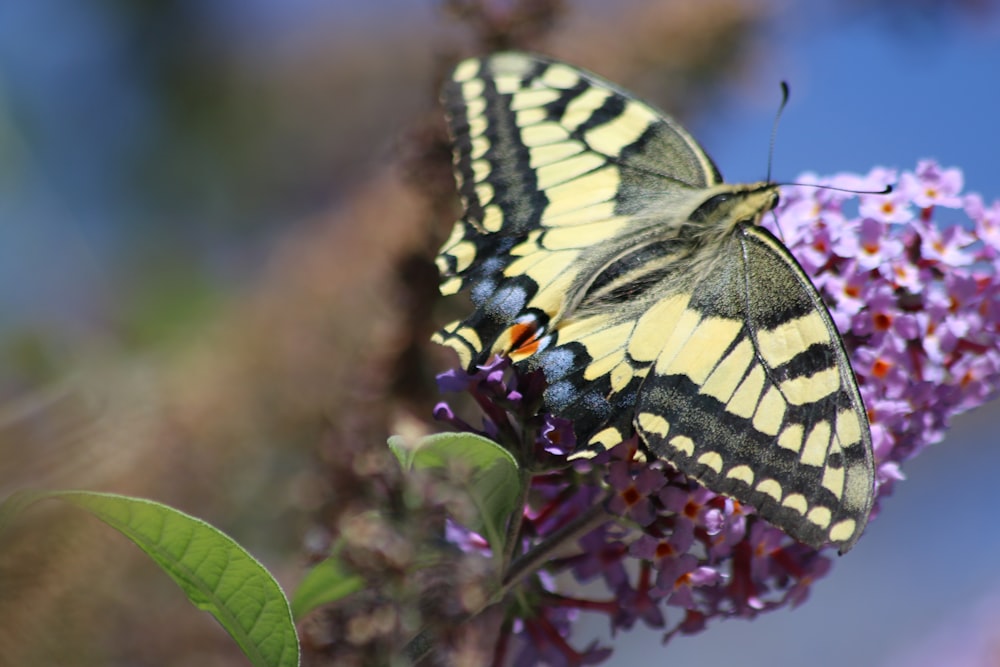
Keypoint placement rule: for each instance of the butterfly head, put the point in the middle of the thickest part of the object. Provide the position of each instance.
(725, 207)
(729, 205)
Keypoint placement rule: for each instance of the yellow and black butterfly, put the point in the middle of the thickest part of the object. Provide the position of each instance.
(600, 245)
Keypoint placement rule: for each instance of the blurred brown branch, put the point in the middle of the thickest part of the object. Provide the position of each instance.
(276, 411)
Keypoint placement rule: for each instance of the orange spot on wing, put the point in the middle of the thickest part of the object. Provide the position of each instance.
(524, 340)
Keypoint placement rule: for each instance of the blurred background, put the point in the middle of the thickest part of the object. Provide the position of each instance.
(217, 221)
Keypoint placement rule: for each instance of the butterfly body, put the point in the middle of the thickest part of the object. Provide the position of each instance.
(600, 245)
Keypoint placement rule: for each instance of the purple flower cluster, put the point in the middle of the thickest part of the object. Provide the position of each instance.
(916, 296)
(917, 301)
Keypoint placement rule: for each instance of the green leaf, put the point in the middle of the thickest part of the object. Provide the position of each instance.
(326, 582)
(494, 485)
(215, 573)
(404, 452)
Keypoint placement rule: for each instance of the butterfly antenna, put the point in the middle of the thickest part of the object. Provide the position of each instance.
(774, 127)
(785, 93)
(770, 149)
(884, 191)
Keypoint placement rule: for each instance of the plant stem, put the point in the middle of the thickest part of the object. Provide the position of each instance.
(593, 517)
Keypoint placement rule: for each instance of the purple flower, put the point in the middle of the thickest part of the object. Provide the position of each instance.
(918, 306)
(930, 186)
(689, 579)
(948, 247)
(987, 221)
(894, 207)
(600, 554)
(557, 436)
(634, 487)
(868, 244)
(465, 539)
(641, 603)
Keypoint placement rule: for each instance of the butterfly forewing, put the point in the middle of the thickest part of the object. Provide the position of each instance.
(600, 246)
(557, 170)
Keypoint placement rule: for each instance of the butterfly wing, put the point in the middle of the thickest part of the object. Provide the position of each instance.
(753, 394)
(560, 172)
(581, 246)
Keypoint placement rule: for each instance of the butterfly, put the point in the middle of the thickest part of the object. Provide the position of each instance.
(600, 245)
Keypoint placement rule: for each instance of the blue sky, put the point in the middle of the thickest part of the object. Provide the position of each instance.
(864, 95)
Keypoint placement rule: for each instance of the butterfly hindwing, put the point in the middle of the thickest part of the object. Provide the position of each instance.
(600, 246)
(755, 398)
